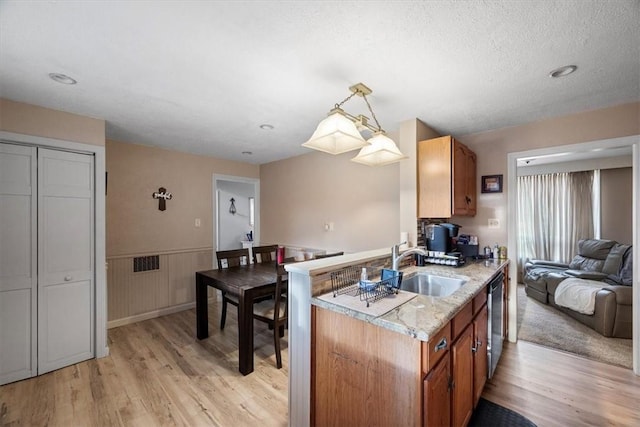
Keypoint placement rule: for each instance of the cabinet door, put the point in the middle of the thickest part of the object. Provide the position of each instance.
(434, 178)
(462, 373)
(459, 179)
(464, 180)
(480, 358)
(471, 183)
(437, 398)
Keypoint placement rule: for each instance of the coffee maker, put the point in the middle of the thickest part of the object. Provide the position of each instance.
(439, 237)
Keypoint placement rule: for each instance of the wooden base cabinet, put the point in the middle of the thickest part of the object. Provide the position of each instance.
(362, 374)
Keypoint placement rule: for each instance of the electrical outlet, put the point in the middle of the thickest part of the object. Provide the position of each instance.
(326, 226)
(197, 223)
(494, 223)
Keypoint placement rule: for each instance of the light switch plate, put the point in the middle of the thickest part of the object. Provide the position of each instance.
(494, 223)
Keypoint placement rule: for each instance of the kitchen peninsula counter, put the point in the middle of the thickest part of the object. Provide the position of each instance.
(423, 316)
(419, 318)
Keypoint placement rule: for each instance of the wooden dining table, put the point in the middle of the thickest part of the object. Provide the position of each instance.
(247, 283)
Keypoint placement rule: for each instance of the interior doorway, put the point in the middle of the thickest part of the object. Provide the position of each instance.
(632, 142)
(236, 211)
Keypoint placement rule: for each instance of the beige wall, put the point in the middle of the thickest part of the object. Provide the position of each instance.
(39, 121)
(616, 187)
(134, 223)
(492, 148)
(300, 194)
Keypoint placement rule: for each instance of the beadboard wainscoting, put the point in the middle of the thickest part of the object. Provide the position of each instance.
(168, 287)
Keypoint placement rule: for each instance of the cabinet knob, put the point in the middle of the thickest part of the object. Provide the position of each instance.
(477, 347)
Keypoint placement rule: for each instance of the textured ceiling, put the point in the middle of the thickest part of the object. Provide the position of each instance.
(202, 77)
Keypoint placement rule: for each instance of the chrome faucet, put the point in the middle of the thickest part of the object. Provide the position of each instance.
(395, 258)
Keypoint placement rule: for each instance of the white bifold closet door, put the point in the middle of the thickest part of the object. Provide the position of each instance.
(18, 263)
(65, 259)
(46, 259)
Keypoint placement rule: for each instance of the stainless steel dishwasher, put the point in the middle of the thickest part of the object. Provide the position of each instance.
(495, 319)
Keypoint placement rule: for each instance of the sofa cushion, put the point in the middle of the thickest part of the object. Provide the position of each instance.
(614, 260)
(624, 276)
(592, 254)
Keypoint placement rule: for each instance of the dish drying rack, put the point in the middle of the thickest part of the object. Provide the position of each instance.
(347, 282)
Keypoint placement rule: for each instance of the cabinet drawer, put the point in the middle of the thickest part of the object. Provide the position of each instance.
(462, 319)
(435, 348)
(479, 300)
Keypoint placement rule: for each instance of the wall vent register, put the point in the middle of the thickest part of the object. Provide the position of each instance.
(146, 263)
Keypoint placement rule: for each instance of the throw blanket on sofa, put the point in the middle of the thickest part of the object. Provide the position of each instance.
(578, 294)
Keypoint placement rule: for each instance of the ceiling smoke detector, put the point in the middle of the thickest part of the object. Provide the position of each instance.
(563, 71)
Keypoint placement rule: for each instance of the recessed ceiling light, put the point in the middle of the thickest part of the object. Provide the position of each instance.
(266, 126)
(62, 78)
(563, 71)
(248, 153)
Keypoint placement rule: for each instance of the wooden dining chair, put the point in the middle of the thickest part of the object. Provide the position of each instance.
(274, 312)
(264, 253)
(226, 259)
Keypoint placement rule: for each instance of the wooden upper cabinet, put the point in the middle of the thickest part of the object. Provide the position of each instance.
(446, 179)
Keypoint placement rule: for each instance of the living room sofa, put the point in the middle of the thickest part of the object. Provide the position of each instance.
(600, 260)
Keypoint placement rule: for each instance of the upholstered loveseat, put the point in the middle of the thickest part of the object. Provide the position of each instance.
(605, 261)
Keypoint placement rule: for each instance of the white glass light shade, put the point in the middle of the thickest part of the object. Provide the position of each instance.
(336, 135)
(380, 151)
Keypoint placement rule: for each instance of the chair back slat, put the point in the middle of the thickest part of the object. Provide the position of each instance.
(264, 253)
(281, 292)
(233, 258)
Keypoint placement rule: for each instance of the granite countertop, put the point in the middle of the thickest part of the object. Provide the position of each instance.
(421, 317)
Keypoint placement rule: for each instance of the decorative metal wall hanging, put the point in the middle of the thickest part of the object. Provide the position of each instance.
(232, 208)
(162, 195)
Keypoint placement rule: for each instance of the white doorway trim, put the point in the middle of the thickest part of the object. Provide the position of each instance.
(98, 151)
(512, 196)
(256, 189)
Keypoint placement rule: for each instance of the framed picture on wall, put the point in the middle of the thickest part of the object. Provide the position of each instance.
(492, 183)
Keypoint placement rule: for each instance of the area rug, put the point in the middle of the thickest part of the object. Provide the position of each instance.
(489, 414)
(543, 324)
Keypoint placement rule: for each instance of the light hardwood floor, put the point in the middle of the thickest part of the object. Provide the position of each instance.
(554, 388)
(159, 374)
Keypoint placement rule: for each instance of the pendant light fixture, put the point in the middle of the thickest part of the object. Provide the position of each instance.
(339, 133)
(380, 151)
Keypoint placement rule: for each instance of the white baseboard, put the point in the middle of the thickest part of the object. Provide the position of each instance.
(153, 314)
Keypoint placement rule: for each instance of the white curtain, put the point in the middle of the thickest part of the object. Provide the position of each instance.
(554, 212)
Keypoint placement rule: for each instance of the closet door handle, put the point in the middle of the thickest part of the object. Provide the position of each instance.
(68, 278)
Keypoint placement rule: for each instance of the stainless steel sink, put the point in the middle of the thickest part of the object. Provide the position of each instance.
(432, 285)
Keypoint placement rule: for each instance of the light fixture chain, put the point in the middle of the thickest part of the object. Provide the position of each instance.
(373, 115)
(345, 100)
